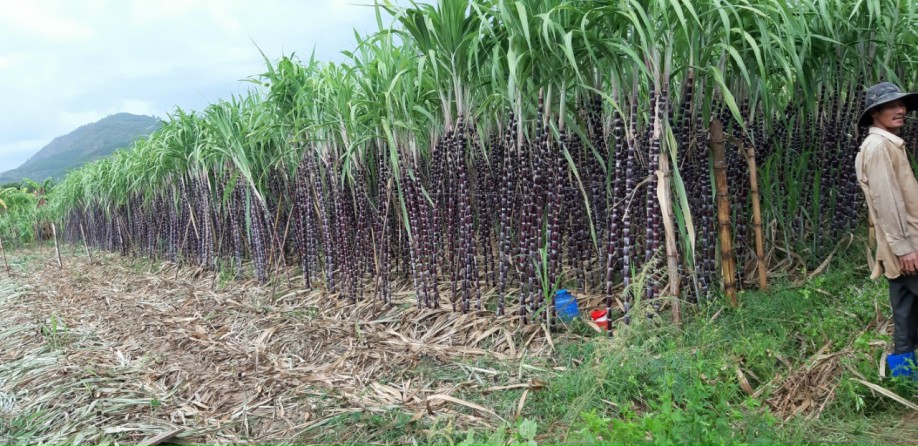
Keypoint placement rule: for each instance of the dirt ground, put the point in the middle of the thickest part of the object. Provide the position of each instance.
(121, 351)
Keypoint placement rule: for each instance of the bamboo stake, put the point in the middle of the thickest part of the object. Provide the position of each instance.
(5, 264)
(756, 217)
(56, 247)
(718, 148)
(85, 245)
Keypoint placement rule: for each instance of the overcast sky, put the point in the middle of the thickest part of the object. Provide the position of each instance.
(67, 63)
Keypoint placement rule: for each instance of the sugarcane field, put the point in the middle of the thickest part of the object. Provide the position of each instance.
(476, 222)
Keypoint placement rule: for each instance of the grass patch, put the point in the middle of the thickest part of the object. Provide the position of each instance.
(656, 384)
(390, 427)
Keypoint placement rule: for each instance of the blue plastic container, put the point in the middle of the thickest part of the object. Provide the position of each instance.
(566, 305)
(902, 365)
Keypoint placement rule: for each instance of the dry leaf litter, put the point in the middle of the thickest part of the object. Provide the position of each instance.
(103, 352)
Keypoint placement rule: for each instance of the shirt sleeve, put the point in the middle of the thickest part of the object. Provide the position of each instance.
(886, 197)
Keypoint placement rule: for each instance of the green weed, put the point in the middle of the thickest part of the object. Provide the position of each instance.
(52, 330)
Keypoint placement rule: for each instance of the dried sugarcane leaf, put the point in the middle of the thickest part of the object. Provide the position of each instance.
(507, 387)
(161, 438)
(594, 326)
(520, 404)
(451, 399)
(743, 382)
(882, 371)
(548, 336)
(825, 263)
(510, 344)
(484, 335)
(889, 394)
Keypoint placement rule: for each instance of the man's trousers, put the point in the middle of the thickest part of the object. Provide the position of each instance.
(903, 293)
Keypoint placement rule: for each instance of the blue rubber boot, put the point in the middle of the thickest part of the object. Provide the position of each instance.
(902, 365)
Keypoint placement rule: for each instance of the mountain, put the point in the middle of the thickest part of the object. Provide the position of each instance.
(87, 143)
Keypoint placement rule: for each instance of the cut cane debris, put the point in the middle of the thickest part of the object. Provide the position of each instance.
(144, 353)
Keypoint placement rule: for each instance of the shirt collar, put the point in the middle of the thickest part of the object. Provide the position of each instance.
(892, 138)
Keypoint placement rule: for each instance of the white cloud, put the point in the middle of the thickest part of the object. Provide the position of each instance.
(64, 64)
(136, 106)
(222, 16)
(163, 10)
(40, 19)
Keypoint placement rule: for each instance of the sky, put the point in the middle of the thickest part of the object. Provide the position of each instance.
(67, 63)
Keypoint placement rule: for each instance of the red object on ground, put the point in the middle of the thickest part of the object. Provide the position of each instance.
(599, 316)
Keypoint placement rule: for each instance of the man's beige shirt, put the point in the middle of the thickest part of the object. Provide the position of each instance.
(885, 174)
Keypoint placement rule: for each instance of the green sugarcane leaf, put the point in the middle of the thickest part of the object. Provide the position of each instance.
(755, 51)
(676, 5)
(569, 52)
(229, 191)
(739, 63)
(524, 23)
(688, 5)
(586, 201)
(728, 96)
(724, 19)
(678, 185)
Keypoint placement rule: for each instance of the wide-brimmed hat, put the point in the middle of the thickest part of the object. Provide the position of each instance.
(882, 93)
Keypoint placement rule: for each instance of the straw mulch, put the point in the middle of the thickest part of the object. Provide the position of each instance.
(807, 389)
(110, 352)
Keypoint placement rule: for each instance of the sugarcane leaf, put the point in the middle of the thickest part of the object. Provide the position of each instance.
(638, 61)
(678, 185)
(676, 6)
(728, 96)
(586, 201)
(569, 52)
(524, 22)
(229, 191)
(691, 9)
(755, 51)
(739, 62)
(722, 11)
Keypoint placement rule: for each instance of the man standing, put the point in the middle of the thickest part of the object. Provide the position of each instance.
(885, 175)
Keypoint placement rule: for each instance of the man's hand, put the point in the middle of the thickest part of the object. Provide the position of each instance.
(909, 263)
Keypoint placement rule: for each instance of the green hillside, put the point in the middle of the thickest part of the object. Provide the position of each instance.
(85, 144)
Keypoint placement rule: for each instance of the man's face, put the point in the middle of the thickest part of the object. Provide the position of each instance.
(890, 116)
